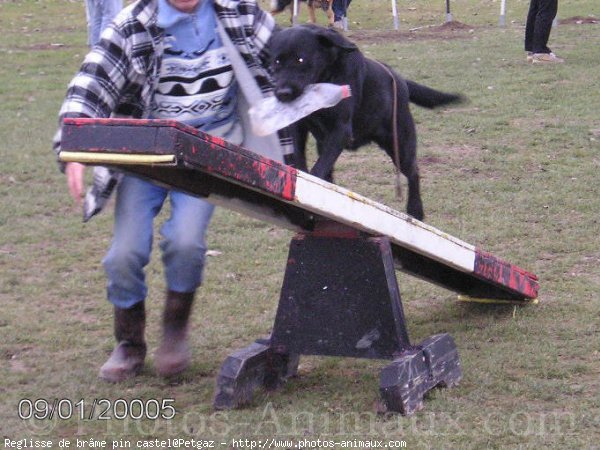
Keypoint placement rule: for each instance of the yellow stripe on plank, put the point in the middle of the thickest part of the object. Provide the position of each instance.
(116, 158)
(497, 301)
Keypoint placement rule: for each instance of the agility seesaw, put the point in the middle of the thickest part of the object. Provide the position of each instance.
(340, 295)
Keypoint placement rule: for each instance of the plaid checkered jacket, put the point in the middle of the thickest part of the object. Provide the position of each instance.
(119, 76)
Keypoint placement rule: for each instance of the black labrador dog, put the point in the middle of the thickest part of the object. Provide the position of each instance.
(308, 54)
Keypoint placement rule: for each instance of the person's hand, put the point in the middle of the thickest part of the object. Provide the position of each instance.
(75, 172)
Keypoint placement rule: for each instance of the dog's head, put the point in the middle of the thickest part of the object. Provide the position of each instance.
(304, 55)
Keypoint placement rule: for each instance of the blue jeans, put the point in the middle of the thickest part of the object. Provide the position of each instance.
(99, 14)
(183, 241)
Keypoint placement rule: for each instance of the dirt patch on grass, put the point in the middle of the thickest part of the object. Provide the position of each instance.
(579, 20)
(448, 30)
(43, 46)
(451, 26)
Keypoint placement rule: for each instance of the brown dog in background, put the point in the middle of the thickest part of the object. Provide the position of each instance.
(278, 6)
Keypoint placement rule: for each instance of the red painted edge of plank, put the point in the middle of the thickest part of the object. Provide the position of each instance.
(502, 273)
(237, 163)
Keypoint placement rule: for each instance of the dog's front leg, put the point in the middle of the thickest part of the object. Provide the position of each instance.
(332, 130)
(329, 152)
(299, 135)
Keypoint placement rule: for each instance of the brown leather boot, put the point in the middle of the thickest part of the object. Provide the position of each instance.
(173, 356)
(127, 359)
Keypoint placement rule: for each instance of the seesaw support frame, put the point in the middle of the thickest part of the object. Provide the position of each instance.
(340, 297)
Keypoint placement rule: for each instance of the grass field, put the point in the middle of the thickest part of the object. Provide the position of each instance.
(514, 171)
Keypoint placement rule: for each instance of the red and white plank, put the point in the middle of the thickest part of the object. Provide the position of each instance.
(243, 172)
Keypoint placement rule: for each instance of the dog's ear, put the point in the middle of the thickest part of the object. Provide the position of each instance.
(328, 37)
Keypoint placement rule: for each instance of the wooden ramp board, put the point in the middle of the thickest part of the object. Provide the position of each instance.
(202, 165)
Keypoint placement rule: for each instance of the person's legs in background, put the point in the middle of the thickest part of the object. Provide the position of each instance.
(94, 21)
(110, 8)
(530, 27)
(537, 31)
(546, 13)
(99, 13)
(339, 8)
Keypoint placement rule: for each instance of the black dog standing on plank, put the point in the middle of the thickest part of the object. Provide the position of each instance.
(378, 110)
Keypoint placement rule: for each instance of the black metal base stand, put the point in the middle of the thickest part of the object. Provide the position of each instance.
(340, 297)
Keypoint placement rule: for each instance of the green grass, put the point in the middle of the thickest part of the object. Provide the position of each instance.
(514, 171)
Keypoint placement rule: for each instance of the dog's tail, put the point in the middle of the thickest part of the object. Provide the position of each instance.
(430, 98)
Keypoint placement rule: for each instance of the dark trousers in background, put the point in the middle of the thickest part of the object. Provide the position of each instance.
(539, 24)
(339, 8)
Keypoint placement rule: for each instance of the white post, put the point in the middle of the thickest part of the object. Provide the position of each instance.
(448, 13)
(395, 15)
(295, 13)
(502, 21)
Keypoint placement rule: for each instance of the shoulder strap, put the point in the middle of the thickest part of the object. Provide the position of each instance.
(270, 145)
